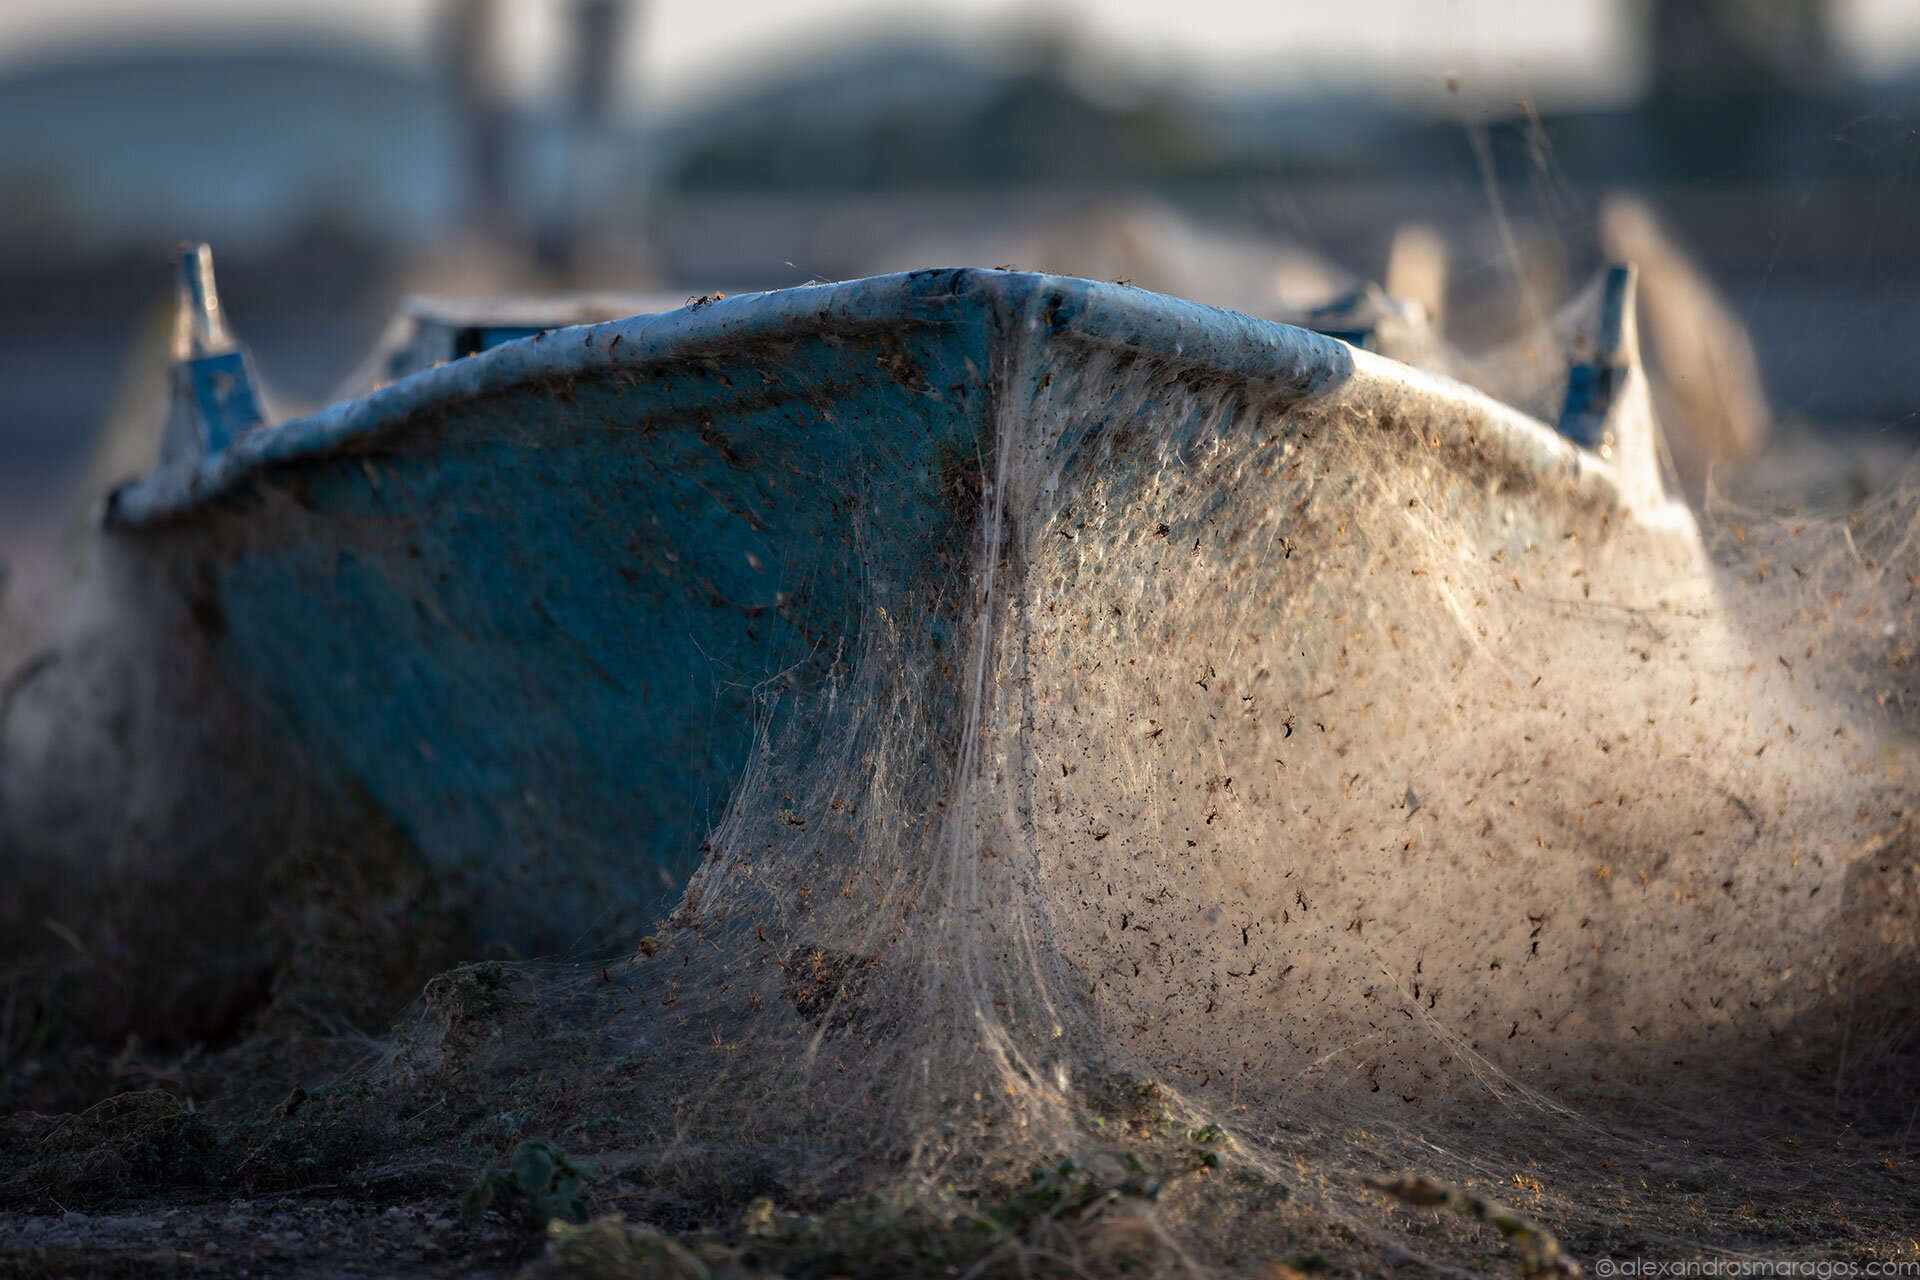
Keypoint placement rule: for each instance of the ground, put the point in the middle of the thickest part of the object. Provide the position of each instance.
(365, 1177)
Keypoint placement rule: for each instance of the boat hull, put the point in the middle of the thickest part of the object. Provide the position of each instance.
(541, 604)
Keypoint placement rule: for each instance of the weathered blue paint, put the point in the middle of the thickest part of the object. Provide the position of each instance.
(527, 600)
(214, 394)
(222, 390)
(1597, 374)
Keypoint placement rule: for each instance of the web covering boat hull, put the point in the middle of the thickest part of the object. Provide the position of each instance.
(541, 604)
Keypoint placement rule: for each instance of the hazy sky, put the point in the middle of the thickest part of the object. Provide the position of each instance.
(685, 50)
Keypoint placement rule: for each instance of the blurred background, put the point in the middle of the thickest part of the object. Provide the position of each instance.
(340, 154)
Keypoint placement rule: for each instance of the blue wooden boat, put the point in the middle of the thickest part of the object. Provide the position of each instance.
(539, 596)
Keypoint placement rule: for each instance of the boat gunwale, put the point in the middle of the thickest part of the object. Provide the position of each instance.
(1109, 316)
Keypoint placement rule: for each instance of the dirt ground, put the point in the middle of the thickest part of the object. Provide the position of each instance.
(294, 1154)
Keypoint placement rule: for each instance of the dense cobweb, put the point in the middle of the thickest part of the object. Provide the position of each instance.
(1312, 760)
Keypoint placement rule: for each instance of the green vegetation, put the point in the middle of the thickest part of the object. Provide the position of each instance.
(540, 1183)
(128, 1143)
